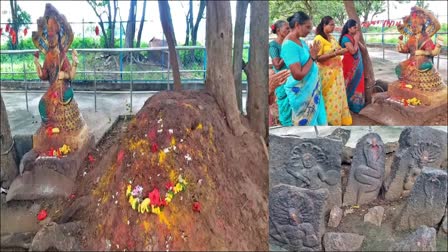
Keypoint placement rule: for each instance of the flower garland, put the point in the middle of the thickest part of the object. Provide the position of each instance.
(62, 151)
(154, 203)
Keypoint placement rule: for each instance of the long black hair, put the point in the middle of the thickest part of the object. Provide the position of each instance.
(277, 25)
(320, 28)
(349, 24)
(298, 17)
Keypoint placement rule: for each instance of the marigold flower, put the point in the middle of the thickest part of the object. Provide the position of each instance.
(177, 188)
(155, 210)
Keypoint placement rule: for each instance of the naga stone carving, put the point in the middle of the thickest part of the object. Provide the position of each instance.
(313, 163)
(57, 107)
(367, 171)
(427, 201)
(419, 147)
(419, 70)
(63, 140)
(296, 218)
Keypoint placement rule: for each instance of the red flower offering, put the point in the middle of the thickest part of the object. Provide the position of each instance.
(97, 30)
(169, 185)
(91, 158)
(7, 28)
(197, 207)
(120, 156)
(42, 215)
(152, 134)
(154, 148)
(154, 196)
(25, 32)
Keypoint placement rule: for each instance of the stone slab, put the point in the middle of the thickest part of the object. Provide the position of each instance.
(427, 201)
(423, 239)
(342, 241)
(387, 111)
(296, 218)
(367, 172)
(67, 165)
(57, 236)
(426, 97)
(418, 147)
(374, 215)
(311, 163)
(40, 183)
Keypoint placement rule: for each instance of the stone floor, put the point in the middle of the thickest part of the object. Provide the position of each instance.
(109, 106)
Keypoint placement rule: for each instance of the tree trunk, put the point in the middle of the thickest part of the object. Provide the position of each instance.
(142, 22)
(187, 32)
(219, 80)
(168, 30)
(106, 38)
(369, 77)
(130, 27)
(8, 166)
(240, 24)
(194, 32)
(112, 24)
(189, 22)
(257, 99)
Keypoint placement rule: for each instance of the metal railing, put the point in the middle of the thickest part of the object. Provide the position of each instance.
(384, 45)
(165, 70)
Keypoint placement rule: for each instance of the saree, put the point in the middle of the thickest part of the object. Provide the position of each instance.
(354, 77)
(274, 52)
(300, 102)
(333, 86)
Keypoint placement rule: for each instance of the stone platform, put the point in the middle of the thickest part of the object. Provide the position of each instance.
(48, 177)
(387, 108)
(436, 97)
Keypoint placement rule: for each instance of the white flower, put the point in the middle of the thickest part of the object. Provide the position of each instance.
(170, 131)
(188, 157)
(160, 120)
(166, 150)
(160, 131)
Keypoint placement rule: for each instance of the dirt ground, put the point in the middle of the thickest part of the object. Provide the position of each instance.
(231, 188)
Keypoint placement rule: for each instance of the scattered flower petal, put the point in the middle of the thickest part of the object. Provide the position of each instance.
(120, 156)
(154, 148)
(197, 207)
(42, 215)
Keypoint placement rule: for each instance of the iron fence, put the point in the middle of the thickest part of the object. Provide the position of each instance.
(130, 70)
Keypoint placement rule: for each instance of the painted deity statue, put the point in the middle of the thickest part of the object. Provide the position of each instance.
(62, 122)
(418, 71)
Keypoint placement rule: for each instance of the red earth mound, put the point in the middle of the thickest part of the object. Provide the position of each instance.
(210, 186)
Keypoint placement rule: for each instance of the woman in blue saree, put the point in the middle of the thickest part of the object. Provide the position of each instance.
(300, 100)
